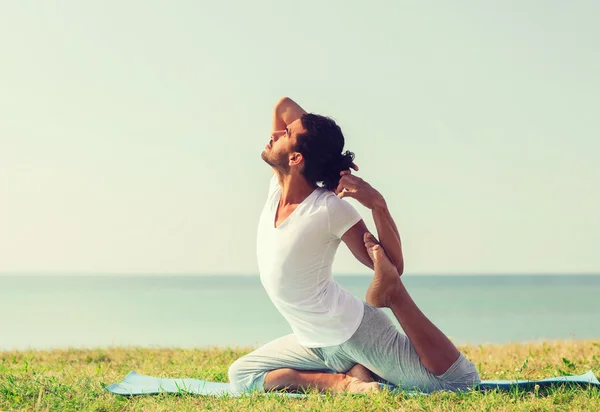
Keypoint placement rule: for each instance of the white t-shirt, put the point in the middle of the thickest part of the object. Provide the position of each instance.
(295, 261)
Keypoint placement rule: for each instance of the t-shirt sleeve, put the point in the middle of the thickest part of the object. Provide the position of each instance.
(342, 216)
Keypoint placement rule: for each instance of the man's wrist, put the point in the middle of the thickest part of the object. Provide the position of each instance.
(379, 203)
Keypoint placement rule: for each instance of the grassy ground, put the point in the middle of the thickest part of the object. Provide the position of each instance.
(75, 379)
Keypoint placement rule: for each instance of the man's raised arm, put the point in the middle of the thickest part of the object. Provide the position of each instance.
(388, 234)
(389, 237)
(285, 112)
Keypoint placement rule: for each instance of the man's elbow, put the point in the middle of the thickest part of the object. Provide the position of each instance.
(399, 263)
(282, 102)
(400, 268)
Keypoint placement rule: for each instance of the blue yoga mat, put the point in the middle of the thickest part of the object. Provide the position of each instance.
(136, 384)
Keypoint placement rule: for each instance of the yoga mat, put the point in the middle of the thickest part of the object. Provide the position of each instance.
(137, 384)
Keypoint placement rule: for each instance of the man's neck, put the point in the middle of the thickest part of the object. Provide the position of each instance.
(294, 188)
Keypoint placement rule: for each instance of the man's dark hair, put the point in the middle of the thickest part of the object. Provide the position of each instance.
(321, 146)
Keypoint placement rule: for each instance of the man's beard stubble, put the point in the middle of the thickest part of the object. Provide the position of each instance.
(279, 163)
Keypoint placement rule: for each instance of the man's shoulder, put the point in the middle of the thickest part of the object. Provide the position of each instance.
(323, 196)
(328, 200)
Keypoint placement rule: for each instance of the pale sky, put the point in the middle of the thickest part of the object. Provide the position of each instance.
(131, 131)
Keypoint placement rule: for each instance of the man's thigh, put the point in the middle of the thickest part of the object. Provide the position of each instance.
(249, 371)
(384, 350)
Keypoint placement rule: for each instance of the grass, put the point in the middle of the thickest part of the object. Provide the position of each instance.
(74, 379)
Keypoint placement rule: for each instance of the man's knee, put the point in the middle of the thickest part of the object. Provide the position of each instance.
(243, 377)
(462, 375)
(236, 376)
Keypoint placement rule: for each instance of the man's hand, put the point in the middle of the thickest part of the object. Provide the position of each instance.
(353, 166)
(357, 188)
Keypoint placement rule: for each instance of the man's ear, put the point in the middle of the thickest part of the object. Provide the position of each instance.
(296, 159)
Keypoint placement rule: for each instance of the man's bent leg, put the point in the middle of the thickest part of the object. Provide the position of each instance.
(285, 364)
(389, 354)
(296, 380)
(436, 351)
(249, 371)
(434, 348)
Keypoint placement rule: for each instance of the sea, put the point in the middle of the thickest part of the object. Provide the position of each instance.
(48, 312)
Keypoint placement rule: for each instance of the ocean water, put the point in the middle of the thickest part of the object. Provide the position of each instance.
(44, 312)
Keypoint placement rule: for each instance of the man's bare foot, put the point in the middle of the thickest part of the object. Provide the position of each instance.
(386, 280)
(352, 384)
(358, 380)
(359, 372)
(357, 386)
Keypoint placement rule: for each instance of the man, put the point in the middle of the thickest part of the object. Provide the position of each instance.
(299, 231)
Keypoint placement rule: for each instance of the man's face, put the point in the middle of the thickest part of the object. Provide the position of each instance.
(279, 150)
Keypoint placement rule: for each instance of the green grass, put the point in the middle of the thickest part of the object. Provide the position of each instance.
(75, 379)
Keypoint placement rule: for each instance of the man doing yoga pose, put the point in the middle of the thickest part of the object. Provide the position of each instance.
(300, 228)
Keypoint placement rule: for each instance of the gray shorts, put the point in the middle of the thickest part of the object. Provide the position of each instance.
(377, 344)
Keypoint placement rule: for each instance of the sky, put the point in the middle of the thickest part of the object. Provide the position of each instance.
(131, 132)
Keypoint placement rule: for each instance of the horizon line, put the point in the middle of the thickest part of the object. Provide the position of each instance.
(231, 274)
